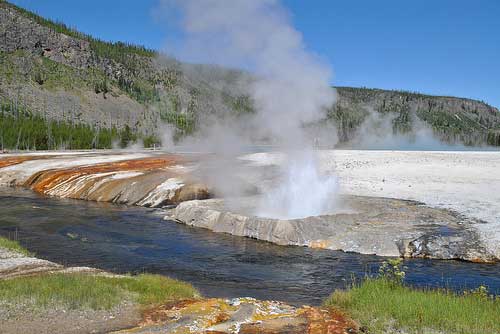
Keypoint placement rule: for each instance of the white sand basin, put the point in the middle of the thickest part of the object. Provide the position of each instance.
(466, 182)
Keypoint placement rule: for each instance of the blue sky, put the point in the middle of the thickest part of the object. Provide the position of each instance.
(442, 47)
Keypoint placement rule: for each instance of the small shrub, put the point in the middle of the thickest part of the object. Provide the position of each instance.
(480, 292)
(392, 271)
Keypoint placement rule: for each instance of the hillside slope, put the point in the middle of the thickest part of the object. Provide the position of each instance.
(453, 120)
(61, 88)
(50, 70)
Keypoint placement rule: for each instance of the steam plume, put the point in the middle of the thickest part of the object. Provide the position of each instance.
(377, 132)
(290, 87)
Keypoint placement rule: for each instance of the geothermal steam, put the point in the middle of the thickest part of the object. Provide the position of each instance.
(290, 88)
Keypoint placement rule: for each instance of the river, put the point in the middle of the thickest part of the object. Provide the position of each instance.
(134, 240)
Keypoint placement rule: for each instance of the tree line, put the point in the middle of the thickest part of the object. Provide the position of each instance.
(21, 129)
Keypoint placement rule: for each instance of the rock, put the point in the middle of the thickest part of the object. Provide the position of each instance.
(464, 245)
(381, 226)
(14, 264)
(242, 316)
(22, 266)
(152, 180)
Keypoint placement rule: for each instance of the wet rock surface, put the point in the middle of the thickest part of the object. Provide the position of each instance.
(14, 160)
(151, 180)
(242, 316)
(369, 225)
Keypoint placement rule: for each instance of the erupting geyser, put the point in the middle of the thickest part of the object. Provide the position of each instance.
(290, 89)
(303, 192)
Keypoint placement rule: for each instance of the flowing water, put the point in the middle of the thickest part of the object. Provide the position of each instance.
(132, 239)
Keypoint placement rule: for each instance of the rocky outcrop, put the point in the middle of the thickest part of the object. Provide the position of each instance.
(243, 316)
(21, 30)
(18, 32)
(368, 225)
(151, 180)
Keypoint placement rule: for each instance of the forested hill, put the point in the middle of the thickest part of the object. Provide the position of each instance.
(49, 72)
(452, 119)
(61, 88)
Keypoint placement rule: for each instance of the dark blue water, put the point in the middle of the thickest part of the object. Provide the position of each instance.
(125, 239)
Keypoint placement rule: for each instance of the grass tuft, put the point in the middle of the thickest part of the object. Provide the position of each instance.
(14, 246)
(382, 305)
(156, 289)
(83, 291)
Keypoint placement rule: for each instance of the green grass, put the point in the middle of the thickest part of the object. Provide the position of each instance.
(381, 305)
(14, 246)
(156, 289)
(83, 291)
